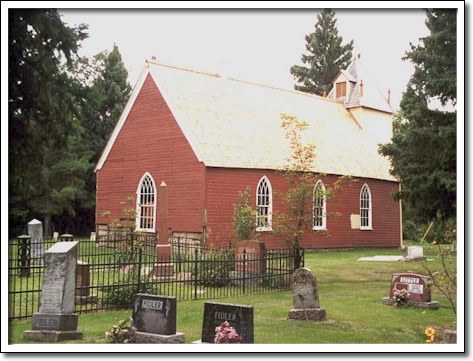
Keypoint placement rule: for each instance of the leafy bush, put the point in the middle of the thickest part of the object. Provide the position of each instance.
(125, 295)
(243, 220)
(122, 332)
(214, 267)
(275, 281)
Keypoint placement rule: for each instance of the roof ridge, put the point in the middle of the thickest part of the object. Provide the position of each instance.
(155, 62)
(216, 75)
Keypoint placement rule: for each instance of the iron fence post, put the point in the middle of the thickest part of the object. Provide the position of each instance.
(179, 253)
(24, 253)
(195, 272)
(244, 270)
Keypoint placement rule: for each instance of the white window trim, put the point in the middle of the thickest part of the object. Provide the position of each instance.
(138, 207)
(370, 210)
(323, 227)
(268, 228)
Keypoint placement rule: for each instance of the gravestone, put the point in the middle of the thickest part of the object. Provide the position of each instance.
(35, 231)
(55, 236)
(415, 253)
(93, 236)
(83, 284)
(55, 320)
(249, 262)
(240, 317)
(154, 318)
(418, 288)
(305, 297)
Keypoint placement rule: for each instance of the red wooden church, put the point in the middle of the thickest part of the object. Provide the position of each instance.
(209, 137)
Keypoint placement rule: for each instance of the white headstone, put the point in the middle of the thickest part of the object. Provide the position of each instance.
(55, 236)
(92, 236)
(35, 231)
(415, 252)
(59, 281)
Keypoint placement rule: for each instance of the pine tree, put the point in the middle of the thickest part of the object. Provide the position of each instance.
(423, 147)
(43, 114)
(326, 56)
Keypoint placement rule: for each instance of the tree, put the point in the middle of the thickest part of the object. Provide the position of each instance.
(243, 219)
(423, 147)
(326, 56)
(43, 113)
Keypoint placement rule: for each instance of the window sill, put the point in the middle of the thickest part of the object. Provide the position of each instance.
(366, 229)
(264, 229)
(319, 228)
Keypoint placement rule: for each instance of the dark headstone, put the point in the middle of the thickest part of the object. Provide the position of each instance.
(416, 285)
(240, 317)
(249, 257)
(418, 288)
(155, 314)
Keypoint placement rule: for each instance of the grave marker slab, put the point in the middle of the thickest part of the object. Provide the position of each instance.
(55, 320)
(35, 231)
(305, 297)
(415, 253)
(83, 284)
(416, 285)
(239, 317)
(93, 236)
(154, 318)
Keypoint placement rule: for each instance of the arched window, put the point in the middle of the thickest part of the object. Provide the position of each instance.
(264, 205)
(320, 207)
(365, 208)
(146, 204)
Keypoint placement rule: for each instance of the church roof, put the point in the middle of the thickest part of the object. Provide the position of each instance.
(237, 124)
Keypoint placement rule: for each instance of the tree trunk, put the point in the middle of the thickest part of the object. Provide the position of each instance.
(47, 226)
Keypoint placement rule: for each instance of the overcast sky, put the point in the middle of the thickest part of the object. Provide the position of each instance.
(259, 46)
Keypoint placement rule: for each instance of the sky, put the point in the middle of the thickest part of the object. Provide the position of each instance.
(254, 45)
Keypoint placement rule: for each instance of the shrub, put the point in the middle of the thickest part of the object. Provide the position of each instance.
(214, 267)
(122, 332)
(275, 281)
(125, 295)
(244, 216)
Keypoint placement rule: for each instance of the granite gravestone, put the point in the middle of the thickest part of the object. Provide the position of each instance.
(35, 231)
(305, 297)
(154, 318)
(93, 236)
(83, 284)
(55, 236)
(55, 320)
(415, 253)
(240, 317)
(418, 288)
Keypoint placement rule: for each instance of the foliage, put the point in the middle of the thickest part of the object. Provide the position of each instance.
(226, 334)
(326, 56)
(243, 220)
(46, 166)
(401, 298)
(124, 296)
(423, 147)
(122, 332)
(214, 267)
(445, 279)
(275, 281)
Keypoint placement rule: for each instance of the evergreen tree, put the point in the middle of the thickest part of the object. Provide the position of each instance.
(423, 147)
(43, 114)
(326, 56)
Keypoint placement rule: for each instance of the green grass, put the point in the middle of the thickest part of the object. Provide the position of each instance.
(350, 291)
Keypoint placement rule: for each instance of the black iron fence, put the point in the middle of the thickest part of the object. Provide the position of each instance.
(109, 277)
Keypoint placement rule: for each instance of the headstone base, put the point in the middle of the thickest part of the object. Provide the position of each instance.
(310, 314)
(146, 337)
(51, 336)
(55, 321)
(433, 305)
(250, 279)
(83, 300)
(450, 336)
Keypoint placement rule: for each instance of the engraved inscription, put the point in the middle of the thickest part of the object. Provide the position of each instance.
(415, 288)
(409, 280)
(47, 322)
(153, 304)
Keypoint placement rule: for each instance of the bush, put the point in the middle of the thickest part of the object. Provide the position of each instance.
(214, 268)
(243, 220)
(125, 295)
(275, 281)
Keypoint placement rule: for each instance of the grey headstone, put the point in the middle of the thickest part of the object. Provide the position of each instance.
(415, 252)
(93, 236)
(155, 314)
(35, 231)
(240, 317)
(59, 280)
(304, 289)
(55, 236)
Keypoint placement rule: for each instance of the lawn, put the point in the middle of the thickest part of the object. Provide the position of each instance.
(350, 291)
